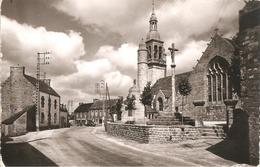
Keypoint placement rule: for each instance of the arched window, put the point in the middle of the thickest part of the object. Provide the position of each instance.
(160, 52)
(55, 117)
(42, 117)
(160, 101)
(155, 52)
(55, 104)
(219, 87)
(42, 101)
(149, 52)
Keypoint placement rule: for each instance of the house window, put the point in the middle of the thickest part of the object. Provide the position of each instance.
(42, 101)
(42, 117)
(55, 117)
(160, 102)
(49, 103)
(219, 87)
(55, 104)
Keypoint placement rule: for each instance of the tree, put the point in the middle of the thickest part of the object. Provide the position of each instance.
(130, 104)
(184, 88)
(146, 96)
(119, 104)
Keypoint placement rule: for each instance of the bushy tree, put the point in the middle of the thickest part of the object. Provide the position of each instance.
(146, 96)
(184, 88)
(119, 104)
(130, 103)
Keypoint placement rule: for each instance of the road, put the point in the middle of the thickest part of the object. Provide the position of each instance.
(78, 146)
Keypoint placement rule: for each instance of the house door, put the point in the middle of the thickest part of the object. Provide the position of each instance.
(31, 121)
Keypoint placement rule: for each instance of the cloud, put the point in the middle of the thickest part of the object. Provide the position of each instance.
(124, 58)
(179, 20)
(91, 72)
(187, 59)
(21, 42)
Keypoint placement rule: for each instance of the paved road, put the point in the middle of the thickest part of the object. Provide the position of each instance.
(79, 146)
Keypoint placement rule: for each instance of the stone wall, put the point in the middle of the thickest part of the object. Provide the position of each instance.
(250, 95)
(198, 79)
(16, 95)
(153, 134)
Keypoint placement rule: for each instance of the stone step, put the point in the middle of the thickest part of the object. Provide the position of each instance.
(212, 134)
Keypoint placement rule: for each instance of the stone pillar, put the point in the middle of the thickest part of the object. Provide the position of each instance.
(230, 106)
(199, 108)
(173, 50)
(173, 88)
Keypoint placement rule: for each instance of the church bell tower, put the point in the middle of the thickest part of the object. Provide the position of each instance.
(151, 56)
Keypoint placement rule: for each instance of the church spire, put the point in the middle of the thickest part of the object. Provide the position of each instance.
(153, 19)
(153, 7)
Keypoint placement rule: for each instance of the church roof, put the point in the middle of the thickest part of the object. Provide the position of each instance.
(165, 84)
(153, 35)
(43, 86)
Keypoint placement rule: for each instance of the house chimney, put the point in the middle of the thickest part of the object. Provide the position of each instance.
(17, 71)
(47, 81)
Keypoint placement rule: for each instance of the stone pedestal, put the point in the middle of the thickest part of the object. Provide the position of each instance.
(199, 108)
(230, 106)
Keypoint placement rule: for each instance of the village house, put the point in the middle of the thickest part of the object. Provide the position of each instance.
(18, 104)
(95, 111)
(64, 122)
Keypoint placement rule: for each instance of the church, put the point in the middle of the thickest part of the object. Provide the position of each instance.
(210, 79)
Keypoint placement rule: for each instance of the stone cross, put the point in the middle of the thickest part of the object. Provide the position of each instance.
(173, 50)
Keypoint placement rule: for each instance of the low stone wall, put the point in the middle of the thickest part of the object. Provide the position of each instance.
(153, 134)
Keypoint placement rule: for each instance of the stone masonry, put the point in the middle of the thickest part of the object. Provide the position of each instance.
(249, 39)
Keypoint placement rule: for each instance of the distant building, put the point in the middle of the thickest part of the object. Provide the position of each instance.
(64, 122)
(81, 113)
(18, 96)
(93, 111)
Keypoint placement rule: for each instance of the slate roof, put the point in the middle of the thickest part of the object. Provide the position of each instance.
(17, 115)
(164, 84)
(98, 105)
(43, 86)
(83, 107)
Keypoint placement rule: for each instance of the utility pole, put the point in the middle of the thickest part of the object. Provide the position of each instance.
(45, 60)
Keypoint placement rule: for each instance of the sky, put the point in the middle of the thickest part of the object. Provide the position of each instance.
(93, 40)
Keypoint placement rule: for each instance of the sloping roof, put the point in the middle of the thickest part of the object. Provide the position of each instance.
(83, 107)
(99, 104)
(17, 115)
(165, 84)
(43, 86)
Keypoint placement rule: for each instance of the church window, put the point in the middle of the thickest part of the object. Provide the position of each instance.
(155, 51)
(42, 101)
(160, 52)
(209, 88)
(160, 101)
(219, 87)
